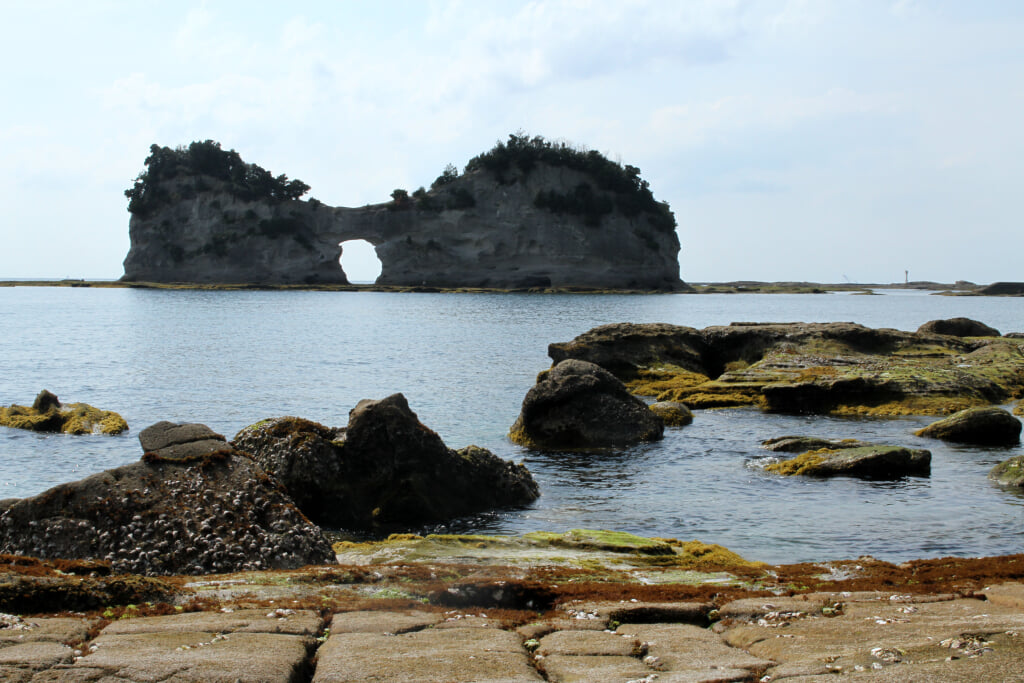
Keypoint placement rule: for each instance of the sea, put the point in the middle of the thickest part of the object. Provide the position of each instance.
(464, 362)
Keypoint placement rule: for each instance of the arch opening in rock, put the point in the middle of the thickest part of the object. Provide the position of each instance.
(359, 261)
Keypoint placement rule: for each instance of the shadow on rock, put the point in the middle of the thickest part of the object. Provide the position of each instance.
(385, 469)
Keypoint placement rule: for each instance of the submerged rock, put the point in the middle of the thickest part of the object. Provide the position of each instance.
(578, 404)
(815, 368)
(386, 468)
(48, 414)
(872, 461)
(989, 426)
(958, 327)
(168, 514)
(1009, 472)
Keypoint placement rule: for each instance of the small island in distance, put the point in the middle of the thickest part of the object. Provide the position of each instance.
(529, 213)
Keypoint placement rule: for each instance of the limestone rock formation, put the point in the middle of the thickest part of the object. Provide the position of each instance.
(841, 368)
(870, 461)
(48, 414)
(577, 404)
(984, 426)
(213, 511)
(529, 214)
(385, 469)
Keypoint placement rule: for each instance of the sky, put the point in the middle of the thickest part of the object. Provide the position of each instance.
(814, 140)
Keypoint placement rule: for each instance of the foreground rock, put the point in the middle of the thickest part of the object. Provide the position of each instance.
(626, 617)
(48, 414)
(191, 507)
(386, 468)
(577, 404)
(873, 462)
(839, 368)
(989, 426)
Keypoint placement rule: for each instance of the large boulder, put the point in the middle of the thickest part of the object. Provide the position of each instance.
(872, 462)
(385, 469)
(958, 327)
(577, 404)
(987, 426)
(180, 510)
(48, 414)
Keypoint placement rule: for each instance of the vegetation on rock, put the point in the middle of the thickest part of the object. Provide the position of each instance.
(617, 186)
(242, 180)
(47, 414)
(837, 368)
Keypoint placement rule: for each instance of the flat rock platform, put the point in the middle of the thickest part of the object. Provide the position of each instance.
(813, 637)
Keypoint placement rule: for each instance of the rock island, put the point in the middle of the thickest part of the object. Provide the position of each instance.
(529, 213)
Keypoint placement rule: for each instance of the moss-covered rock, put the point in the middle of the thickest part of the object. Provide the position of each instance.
(838, 368)
(1009, 472)
(874, 462)
(672, 413)
(987, 426)
(48, 414)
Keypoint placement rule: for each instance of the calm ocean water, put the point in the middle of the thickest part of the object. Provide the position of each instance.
(465, 361)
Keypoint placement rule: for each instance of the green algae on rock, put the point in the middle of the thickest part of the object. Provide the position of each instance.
(873, 461)
(48, 414)
(985, 426)
(817, 368)
(1009, 472)
(672, 413)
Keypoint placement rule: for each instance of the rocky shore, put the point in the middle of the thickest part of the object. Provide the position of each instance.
(205, 560)
(579, 606)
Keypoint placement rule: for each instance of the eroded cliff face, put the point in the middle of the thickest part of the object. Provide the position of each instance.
(499, 238)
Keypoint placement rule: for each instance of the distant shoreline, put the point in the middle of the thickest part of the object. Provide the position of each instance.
(732, 287)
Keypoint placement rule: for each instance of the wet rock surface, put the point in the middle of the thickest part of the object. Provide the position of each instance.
(578, 404)
(988, 426)
(48, 414)
(217, 511)
(839, 368)
(385, 468)
(870, 461)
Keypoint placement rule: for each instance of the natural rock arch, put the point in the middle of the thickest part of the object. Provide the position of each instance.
(526, 215)
(359, 261)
